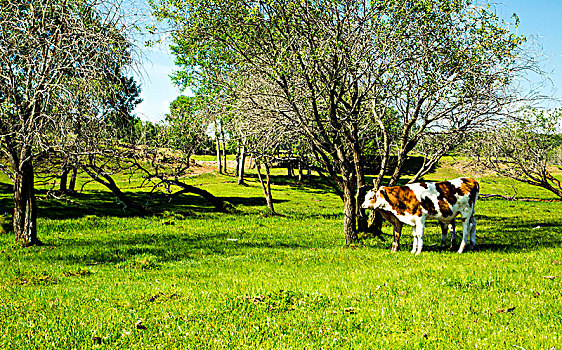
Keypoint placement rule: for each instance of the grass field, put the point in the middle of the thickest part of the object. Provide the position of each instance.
(192, 278)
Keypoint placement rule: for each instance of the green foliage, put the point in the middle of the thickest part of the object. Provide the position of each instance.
(120, 103)
(186, 125)
(147, 133)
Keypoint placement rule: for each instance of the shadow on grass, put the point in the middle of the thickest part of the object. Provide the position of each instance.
(104, 203)
(71, 206)
(512, 234)
(314, 184)
(164, 247)
(494, 233)
(81, 204)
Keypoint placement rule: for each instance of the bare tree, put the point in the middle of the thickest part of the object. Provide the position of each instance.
(50, 50)
(165, 169)
(524, 147)
(263, 139)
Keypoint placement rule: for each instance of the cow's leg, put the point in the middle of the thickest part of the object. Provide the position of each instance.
(472, 232)
(415, 242)
(443, 234)
(465, 232)
(397, 232)
(447, 227)
(418, 241)
(397, 228)
(452, 231)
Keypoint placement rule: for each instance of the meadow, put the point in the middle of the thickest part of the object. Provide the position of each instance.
(192, 278)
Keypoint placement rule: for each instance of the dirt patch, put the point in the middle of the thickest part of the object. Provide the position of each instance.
(208, 166)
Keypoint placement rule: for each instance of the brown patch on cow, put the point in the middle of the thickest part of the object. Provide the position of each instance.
(428, 205)
(470, 187)
(446, 191)
(445, 209)
(446, 197)
(424, 185)
(402, 200)
(384, 194)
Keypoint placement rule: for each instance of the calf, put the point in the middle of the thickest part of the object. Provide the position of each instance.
(414, 203)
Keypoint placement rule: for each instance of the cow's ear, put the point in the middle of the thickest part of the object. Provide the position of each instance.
(382, 191)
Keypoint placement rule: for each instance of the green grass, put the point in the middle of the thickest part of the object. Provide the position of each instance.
(192, 278)
(212, 157)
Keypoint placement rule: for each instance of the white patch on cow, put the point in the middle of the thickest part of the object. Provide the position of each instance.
(429, 192)
(368, 198)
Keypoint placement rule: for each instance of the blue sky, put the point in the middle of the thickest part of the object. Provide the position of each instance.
(157, 90)
(540, 20)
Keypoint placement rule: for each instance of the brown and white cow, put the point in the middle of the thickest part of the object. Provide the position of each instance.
(414, 203)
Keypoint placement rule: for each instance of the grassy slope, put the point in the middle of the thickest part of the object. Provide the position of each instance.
(200, 279)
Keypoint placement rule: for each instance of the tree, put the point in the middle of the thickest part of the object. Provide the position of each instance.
(52, 51)
(114, 108)
(186, 125)
(163, 168)
(342, 73)
(119, 103)
(524, 148)
(147, 132)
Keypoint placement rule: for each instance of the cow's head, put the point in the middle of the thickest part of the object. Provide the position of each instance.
(374, 200)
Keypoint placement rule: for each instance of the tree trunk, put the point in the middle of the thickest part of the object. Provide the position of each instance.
(223, 138)
(187, 159)
(362, 217)
(347, 184)
(300, 169)
(361, 189)
(218, 203)
(349, 212)
(72, 184)
(290, 172)
(224, 156)
(397, 169)
(218, 147)
(266, 187)
(25, 205)
(241, 164)
(99, 176)
(238, 150)
(219, 162)
(251, 164)
(386, 147)
(64, 178)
